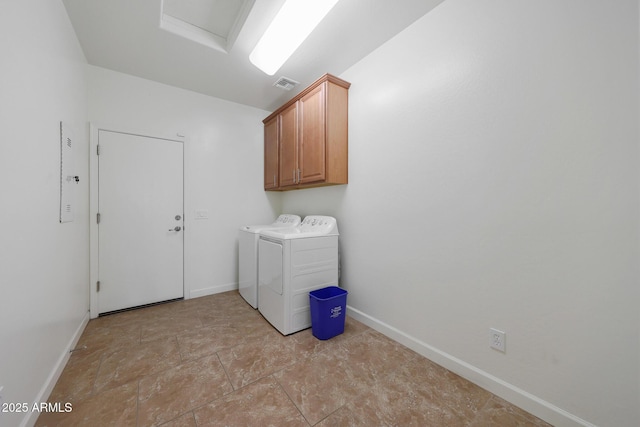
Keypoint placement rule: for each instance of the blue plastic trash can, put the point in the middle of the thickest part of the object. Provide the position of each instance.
(328, 311)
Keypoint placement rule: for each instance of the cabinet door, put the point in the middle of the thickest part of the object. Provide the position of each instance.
(311, 158)
(289, 146)
(271, 154)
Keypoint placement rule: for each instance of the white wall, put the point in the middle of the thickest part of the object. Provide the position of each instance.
(43, 264)
(494, 183)
(223, 165)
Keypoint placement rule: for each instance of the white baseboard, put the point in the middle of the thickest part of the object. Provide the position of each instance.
(53, 377)
(195, 293)
(521, 398)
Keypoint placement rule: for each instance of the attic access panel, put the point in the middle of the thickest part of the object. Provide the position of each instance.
(213, 23)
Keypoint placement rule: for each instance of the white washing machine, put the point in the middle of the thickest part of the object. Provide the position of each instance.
(248, 255)
(291, 263)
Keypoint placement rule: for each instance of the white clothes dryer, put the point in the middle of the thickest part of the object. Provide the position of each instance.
(248, 255)
(291, 263)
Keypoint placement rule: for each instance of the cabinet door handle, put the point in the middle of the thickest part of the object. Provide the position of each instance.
(298, 175)
(294, 176)
(274, 179)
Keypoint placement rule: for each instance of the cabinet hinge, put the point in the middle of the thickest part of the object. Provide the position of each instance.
(98, 286)
(98, 218)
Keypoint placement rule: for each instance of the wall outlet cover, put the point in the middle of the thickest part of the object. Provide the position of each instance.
(497, 339)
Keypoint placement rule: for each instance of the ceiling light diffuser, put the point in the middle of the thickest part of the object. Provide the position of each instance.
(291, 26)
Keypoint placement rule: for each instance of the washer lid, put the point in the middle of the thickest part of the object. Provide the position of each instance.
(312, 226)
(283, 221)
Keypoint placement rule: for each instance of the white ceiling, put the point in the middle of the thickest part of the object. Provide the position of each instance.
(125, 36)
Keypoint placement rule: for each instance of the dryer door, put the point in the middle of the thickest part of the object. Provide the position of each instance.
(248, 267)
(270, 265)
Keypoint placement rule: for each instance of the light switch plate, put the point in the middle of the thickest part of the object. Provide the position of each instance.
(202, 214)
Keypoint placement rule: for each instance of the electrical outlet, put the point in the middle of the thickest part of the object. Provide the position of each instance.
(497, 339)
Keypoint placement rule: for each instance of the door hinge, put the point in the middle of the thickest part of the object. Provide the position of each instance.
(98, 286)
(98, 218)
(98, 149)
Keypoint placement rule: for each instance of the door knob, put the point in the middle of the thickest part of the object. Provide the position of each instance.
(177, 228)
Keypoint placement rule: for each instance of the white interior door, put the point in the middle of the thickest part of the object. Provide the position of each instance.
(140, 232)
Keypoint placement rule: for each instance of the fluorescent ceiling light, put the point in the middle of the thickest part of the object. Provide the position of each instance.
(291, 26)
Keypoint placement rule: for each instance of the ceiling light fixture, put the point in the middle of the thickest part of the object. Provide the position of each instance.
(291, 26)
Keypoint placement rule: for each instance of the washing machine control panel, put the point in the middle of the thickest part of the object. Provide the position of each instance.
(319, 224)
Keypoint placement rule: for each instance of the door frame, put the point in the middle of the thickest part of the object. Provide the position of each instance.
(94, 130)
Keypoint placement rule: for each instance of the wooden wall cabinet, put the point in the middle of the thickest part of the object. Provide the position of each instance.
(306, 140)
(271, 154)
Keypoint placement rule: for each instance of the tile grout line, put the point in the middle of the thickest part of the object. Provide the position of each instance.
(138, 404)
(330, 414)
(141, 377)
(192, 410)
(290, 399)
(94, 391)
(226, 373)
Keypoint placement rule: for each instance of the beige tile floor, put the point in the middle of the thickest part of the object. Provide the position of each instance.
(214, 361)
